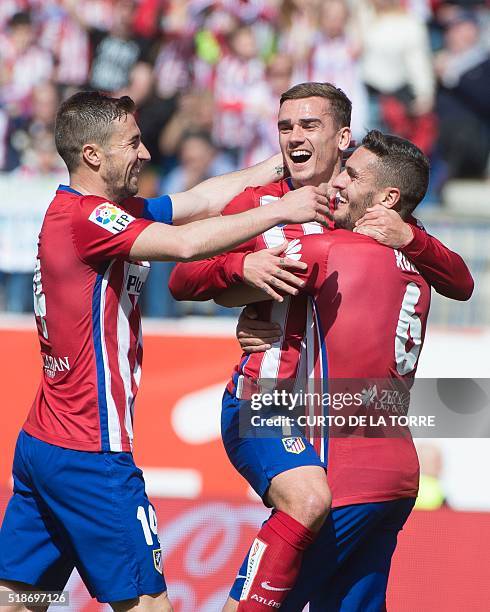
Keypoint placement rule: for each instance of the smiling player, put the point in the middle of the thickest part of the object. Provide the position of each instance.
(79, 500)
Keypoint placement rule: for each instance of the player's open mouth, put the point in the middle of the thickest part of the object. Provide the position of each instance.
(340, 200)
(300, 156)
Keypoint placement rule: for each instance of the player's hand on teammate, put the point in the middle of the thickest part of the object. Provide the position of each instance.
(303, 205)
(268, 270)
(386, 226)
(256, 336)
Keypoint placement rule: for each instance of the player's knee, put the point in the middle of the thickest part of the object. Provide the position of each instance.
(315, 507)
(309, 505)
(304, 494)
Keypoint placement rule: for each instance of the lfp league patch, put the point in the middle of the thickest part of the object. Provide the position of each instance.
(294, 445)
(157, 560)
(111, 218)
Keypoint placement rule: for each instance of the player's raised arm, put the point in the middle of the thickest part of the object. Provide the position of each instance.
(207, 199)
(442, 268)
(209, 237)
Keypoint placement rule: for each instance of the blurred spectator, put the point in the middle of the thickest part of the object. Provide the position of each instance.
(397, 69)
(23, 131)
(8, 8)
(194, 113)
(173, 66)
(431, 494)
(64, 33)
(262, 15)
(463, 69)
(335, 58)
(264, 106)
(41, 158)
(198, 160)
(23, 65)
(298, 24)
(117, 51)
(175, 59)
(153, 111)
(239, 72)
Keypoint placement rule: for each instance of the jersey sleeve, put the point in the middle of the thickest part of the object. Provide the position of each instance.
(158, 209)
(103, 230)
(442, 268)
(204, 280)
(153, 209)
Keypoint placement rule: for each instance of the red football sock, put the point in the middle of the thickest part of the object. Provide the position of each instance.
(274, 562)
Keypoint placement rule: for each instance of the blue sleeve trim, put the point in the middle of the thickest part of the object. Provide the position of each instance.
(158, 209)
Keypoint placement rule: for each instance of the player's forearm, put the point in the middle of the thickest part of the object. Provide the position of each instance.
(205, 238)
(216, 192)
(211, 237)
(240, 295)
(442, 268)
(204, 280)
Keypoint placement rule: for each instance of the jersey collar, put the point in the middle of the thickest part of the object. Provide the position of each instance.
(69, 189)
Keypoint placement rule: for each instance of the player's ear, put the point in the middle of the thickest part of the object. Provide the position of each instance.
(92, 154)
(390, 197)
(345, 136)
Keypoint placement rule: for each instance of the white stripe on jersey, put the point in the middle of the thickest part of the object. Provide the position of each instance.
(316, 374)
(137, 364)
(271, 360)
(124, 310)
(269, 368)
(112, 415)
(312, 228)
(320, 374)
(310, 365)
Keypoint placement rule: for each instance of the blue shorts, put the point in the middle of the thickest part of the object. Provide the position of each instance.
(346, 569)
(258, 459)
(80, 509)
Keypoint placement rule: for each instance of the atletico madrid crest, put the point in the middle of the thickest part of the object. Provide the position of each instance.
(294, 445)
(157, 560)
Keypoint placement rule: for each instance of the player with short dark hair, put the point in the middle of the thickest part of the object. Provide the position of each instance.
(79, 500)
(396, 162)
(86, 117)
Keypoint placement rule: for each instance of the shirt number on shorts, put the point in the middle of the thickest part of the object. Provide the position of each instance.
(409, 327)
(148, 524)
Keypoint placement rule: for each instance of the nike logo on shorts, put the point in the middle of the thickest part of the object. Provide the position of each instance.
(268, 587)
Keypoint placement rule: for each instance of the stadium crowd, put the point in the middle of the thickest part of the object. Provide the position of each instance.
(206, 76)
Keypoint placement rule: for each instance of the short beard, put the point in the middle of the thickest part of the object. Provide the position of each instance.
(114, 189)
(348, 221)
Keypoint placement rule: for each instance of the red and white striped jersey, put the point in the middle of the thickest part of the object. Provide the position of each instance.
(86, 294)
(281, 361)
